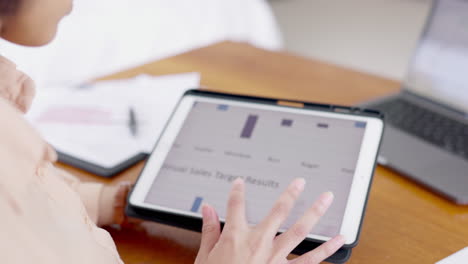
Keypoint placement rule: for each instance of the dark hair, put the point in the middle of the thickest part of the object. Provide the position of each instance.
(8, 7)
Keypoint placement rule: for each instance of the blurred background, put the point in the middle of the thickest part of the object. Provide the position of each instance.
(105, 36)
(376, 36)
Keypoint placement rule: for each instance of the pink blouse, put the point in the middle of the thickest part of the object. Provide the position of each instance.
(47, 215)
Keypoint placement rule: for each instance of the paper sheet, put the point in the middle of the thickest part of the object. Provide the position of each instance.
(92, 123)
(460, 257)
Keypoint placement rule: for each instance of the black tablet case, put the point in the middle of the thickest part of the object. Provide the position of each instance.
(195, 224)
(99, 170)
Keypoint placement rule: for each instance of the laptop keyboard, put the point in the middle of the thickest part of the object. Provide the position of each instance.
(433, 127)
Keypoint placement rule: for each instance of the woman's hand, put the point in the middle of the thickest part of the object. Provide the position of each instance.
(241, 244)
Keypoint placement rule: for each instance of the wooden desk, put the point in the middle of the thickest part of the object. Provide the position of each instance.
(404, 222)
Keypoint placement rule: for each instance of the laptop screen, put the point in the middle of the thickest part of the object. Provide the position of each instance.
(439, 69)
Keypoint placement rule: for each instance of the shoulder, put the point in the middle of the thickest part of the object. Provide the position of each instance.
(22, 148)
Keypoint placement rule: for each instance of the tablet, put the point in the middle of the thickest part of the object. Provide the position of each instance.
(212, 139)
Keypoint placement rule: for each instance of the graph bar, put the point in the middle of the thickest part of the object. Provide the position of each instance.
(196, 204)
(322, 125)
(286, 122)
(360, 124)
(223, 107)
(249, 126)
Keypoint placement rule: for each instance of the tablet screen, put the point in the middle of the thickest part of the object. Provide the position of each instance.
(268, 148)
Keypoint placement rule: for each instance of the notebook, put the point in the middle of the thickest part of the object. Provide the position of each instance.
(107, 126)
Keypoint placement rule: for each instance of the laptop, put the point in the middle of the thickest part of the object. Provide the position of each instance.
(426, 137)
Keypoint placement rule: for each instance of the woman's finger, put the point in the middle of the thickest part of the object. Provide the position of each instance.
(281, 209)
(211, 231)
(287, 241)
(321, 253)
(235, 215)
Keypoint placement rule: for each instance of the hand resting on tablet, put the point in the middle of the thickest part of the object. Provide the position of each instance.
(239, 243)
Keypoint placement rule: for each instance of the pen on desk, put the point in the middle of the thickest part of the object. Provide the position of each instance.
(132, 123)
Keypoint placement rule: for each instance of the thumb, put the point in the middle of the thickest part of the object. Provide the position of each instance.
(211, 232)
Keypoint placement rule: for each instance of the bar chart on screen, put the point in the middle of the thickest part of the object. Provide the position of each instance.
(220, 142)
